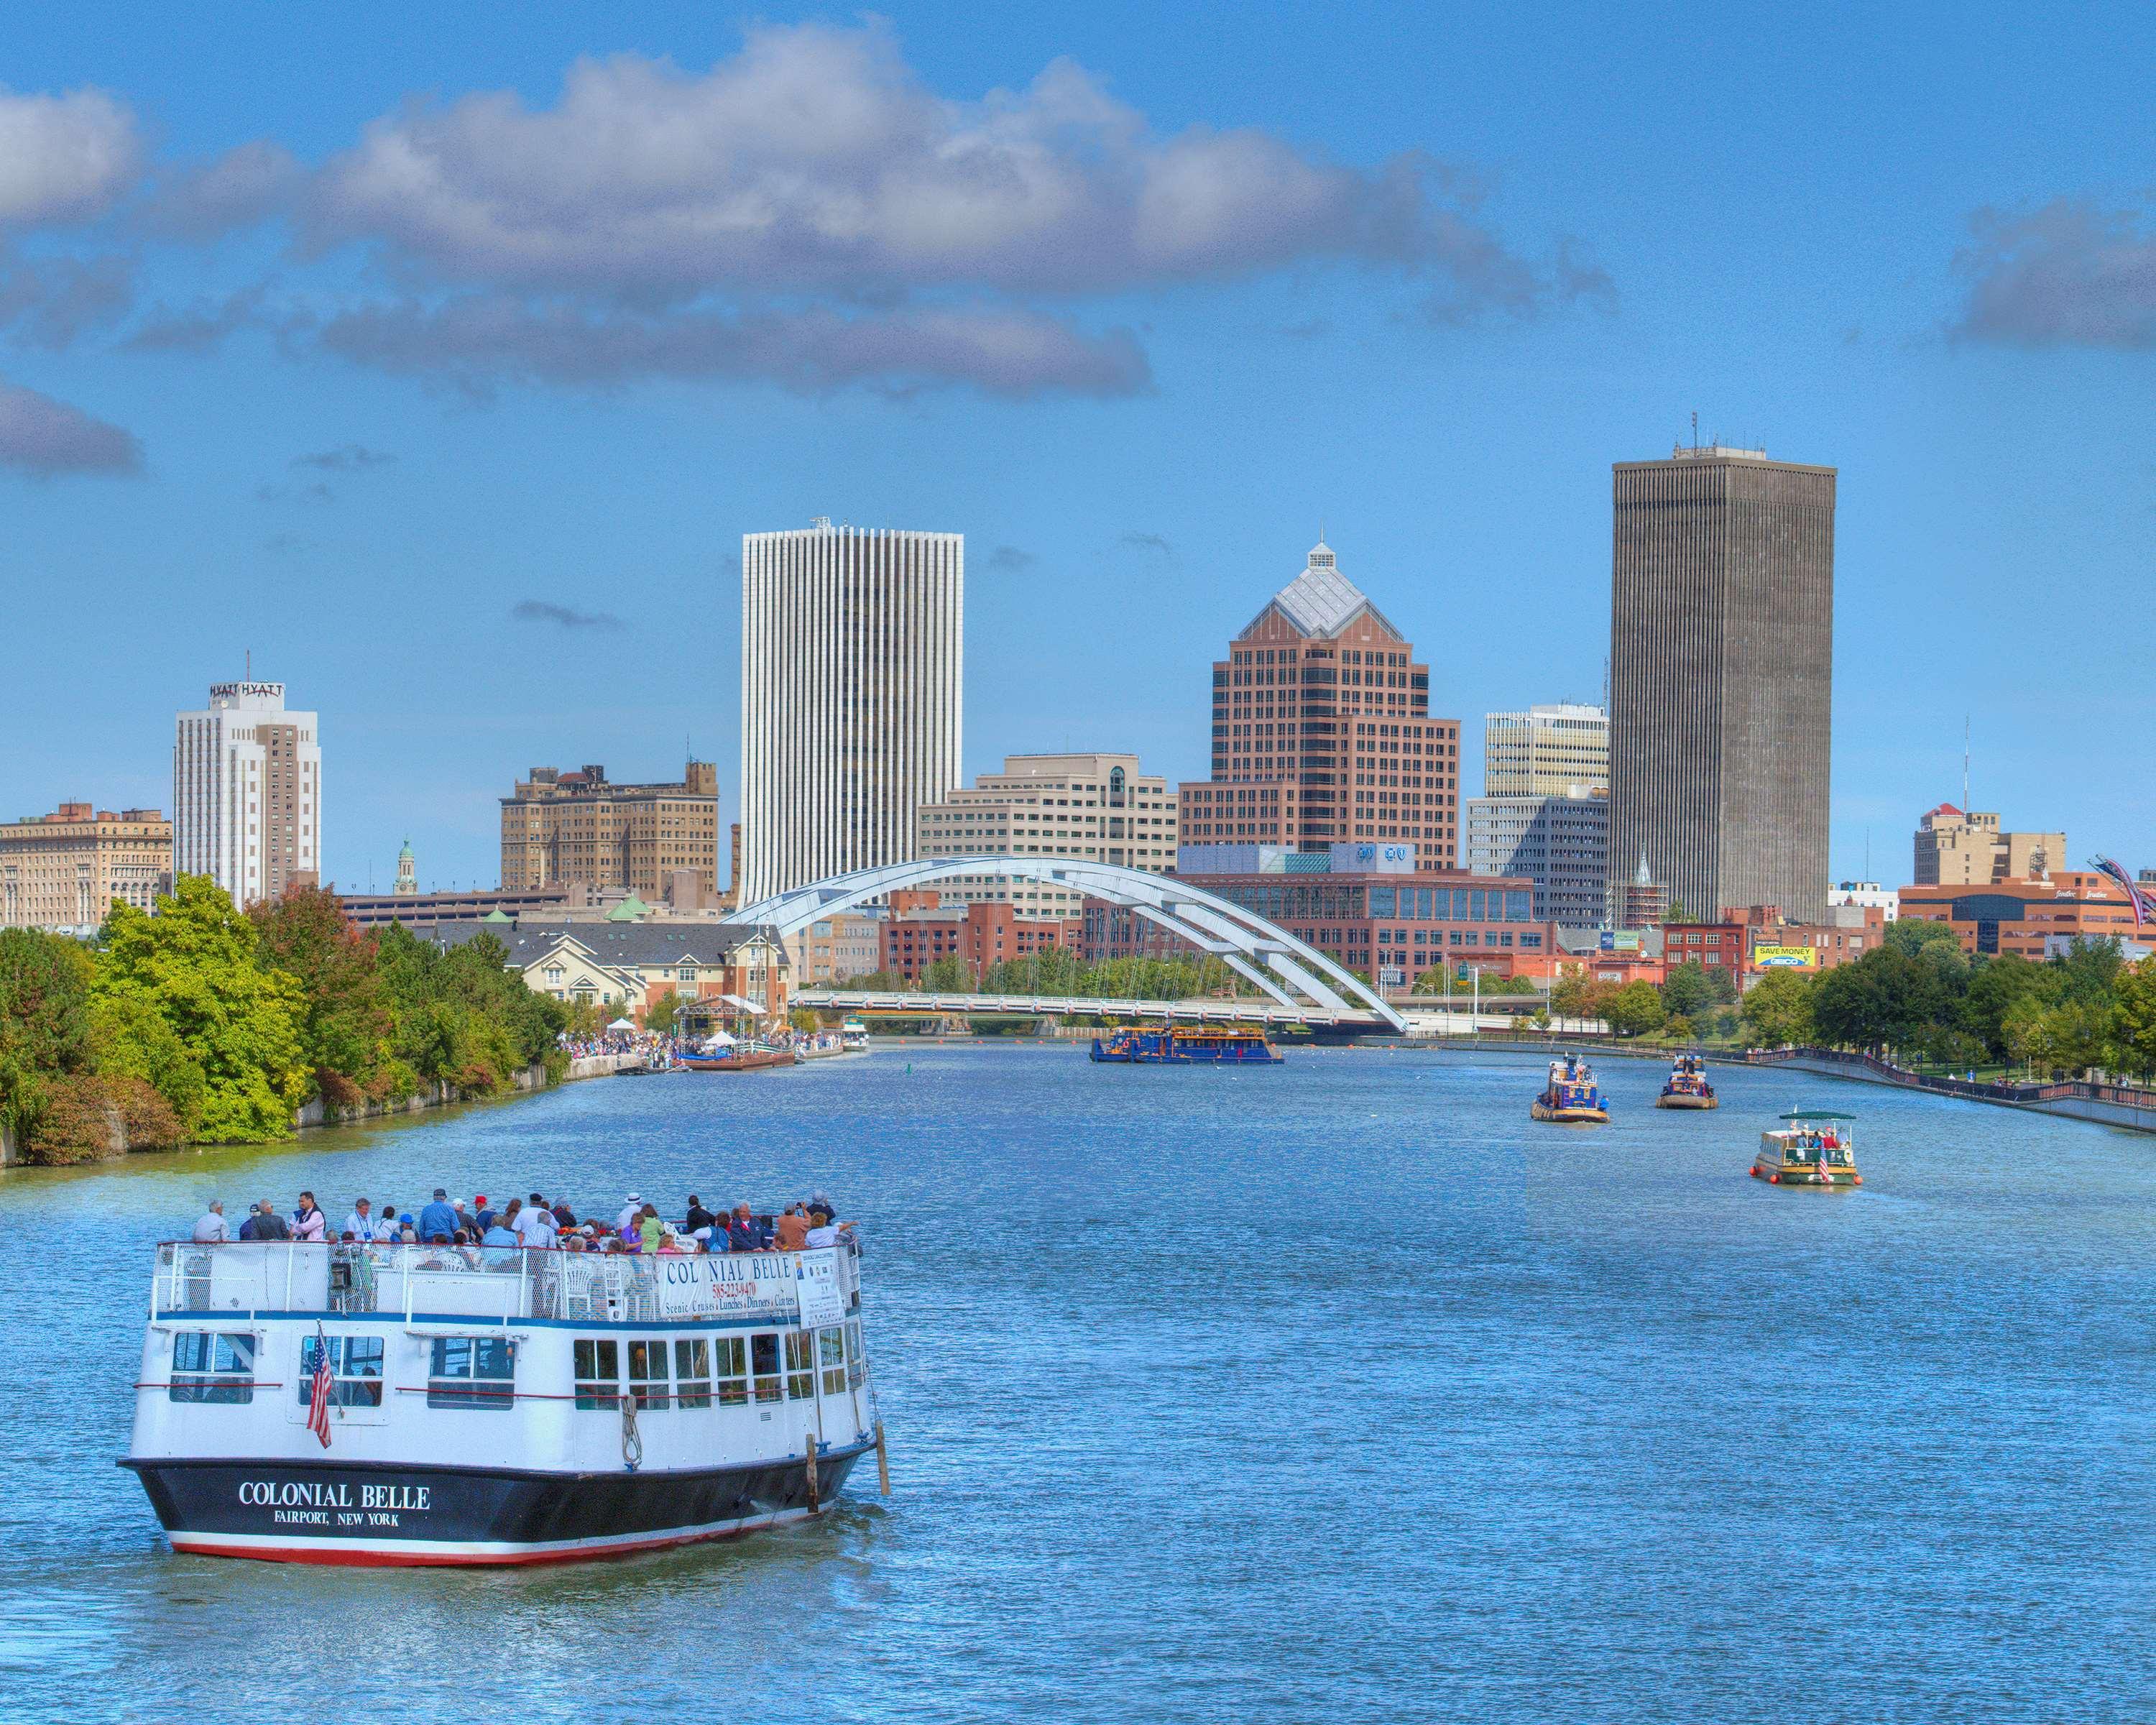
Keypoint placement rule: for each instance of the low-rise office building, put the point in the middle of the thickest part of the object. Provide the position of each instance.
(837, 948)
(1559, 843)
(2027, 916)
(632, 966)
(1750, 942)
(1371, 909)
(1956, 847)
(1088, 807)
(64, 870)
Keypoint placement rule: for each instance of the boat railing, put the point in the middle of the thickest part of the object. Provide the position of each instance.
(492, 1284)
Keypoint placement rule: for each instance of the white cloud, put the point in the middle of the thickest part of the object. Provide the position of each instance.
(45, 437)
(64, 158)
(817, 160)
(2068, 273)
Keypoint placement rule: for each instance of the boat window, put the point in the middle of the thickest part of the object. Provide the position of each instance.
(471, 1372)
(763, 1358)
(831, 1354)
(800, 1364)
(647, 1382)
(207, 1368)
(598, 1374)
(692, 1372)
(856, 1369)
(354, 1371)
(732, 1353)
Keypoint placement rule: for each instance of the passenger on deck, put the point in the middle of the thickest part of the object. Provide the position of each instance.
(308, 1222)
(632, 1208)
(743, 1234)
(438, 1219)
(698, 1217)
(484, 1214)
(535, 1223)
(649, 1228)
(564, 1217)
(264, 1223)
(792, 1234)
(360, 1224)
(502, 1230)
(212, 1230)
(669, 1246)
(826, 1234)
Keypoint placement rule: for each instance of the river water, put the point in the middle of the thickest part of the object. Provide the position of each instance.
(1337, 1391)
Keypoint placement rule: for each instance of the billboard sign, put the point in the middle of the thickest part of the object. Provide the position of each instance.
(1784, 957)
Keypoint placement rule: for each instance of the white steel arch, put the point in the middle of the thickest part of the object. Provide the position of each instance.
(1255, 949)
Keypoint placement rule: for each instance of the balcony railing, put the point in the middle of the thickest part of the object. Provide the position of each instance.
(502, 1284)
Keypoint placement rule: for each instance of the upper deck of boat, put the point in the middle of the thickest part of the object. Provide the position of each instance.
(504, 1285)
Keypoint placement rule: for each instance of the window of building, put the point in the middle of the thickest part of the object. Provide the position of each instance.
(471, 1372)
(599, 1373)
(212, 1368)
(354, 1371)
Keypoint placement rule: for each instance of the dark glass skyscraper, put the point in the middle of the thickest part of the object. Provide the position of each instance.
(1722, 672)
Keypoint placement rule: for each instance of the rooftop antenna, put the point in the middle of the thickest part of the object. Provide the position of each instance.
(1695, 427)
(248, 675)
(1964, 764)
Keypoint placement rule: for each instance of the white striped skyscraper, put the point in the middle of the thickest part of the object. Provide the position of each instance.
(247, 793)
(853, 656)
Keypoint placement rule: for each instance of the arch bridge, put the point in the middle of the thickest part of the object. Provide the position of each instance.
(1297, 978)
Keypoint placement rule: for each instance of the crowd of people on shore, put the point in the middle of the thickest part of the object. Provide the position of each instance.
(534, 1223)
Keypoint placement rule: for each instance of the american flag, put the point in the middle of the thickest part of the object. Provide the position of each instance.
(318, 1405)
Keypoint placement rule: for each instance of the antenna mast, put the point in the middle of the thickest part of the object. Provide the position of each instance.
(1964, 764)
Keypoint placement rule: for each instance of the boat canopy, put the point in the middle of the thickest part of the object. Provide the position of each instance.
(1816, 1114)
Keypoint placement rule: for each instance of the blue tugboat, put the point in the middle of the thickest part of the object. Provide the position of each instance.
(1571, 1097)
(1179, 1045)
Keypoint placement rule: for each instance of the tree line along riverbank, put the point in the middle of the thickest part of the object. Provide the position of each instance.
(207, 1025)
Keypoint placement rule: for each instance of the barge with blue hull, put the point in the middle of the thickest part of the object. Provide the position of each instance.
(407, 1404)
(1185, 1044)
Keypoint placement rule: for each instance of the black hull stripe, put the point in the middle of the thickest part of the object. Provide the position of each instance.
(467, 1514)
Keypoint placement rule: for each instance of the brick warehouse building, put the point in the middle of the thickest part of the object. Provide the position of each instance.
(921, 929)
(1321, 732)
(2029, 917)
(1371, 909)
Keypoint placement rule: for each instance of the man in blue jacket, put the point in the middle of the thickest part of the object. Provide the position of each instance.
(438, 1216)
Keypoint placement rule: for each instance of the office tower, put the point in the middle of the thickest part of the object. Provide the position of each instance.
(853, 653)
(1722, 646)
(247, 793)
(1560, 843)
(572, 829)
(1561, 750)
(65, 869)
(1321, 732)
(1955, 847)
(1094, 807)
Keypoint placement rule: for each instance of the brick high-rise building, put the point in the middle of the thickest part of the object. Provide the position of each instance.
(247, 793)
(1321, 732)
(1721, 647)
(570, 829)
(65, 869)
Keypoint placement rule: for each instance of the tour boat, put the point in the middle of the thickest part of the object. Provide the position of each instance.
(725, 1054)
(406, 1404)
(1687, 1086)
(1180, 1044)
(853, 1036)
(1812, 1148)
(1571, 1097)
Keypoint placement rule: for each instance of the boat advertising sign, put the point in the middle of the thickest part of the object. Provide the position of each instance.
(1784, 957)
(751, 1286)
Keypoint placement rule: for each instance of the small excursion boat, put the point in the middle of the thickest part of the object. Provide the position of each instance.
(722, 1054)
(1812, 1147)
(1571, 1097)
(1687, 1086)
(404, 1404)
(853, 1036)
(1186, 1045)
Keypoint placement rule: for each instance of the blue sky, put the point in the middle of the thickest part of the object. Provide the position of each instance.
(343, 334)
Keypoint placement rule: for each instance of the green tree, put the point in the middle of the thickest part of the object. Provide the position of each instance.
(1911, 936)
(346, 1023)
(1572, 995)
(45, 1022)
(1685, 990)
(1633, 1009)
(659, 1019)
(947, 976)
(195, 966)
(1777, 1010)
(2132, 1027)
(2088, 973)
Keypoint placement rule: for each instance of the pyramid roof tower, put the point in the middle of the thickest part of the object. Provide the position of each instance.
(1322, 601)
